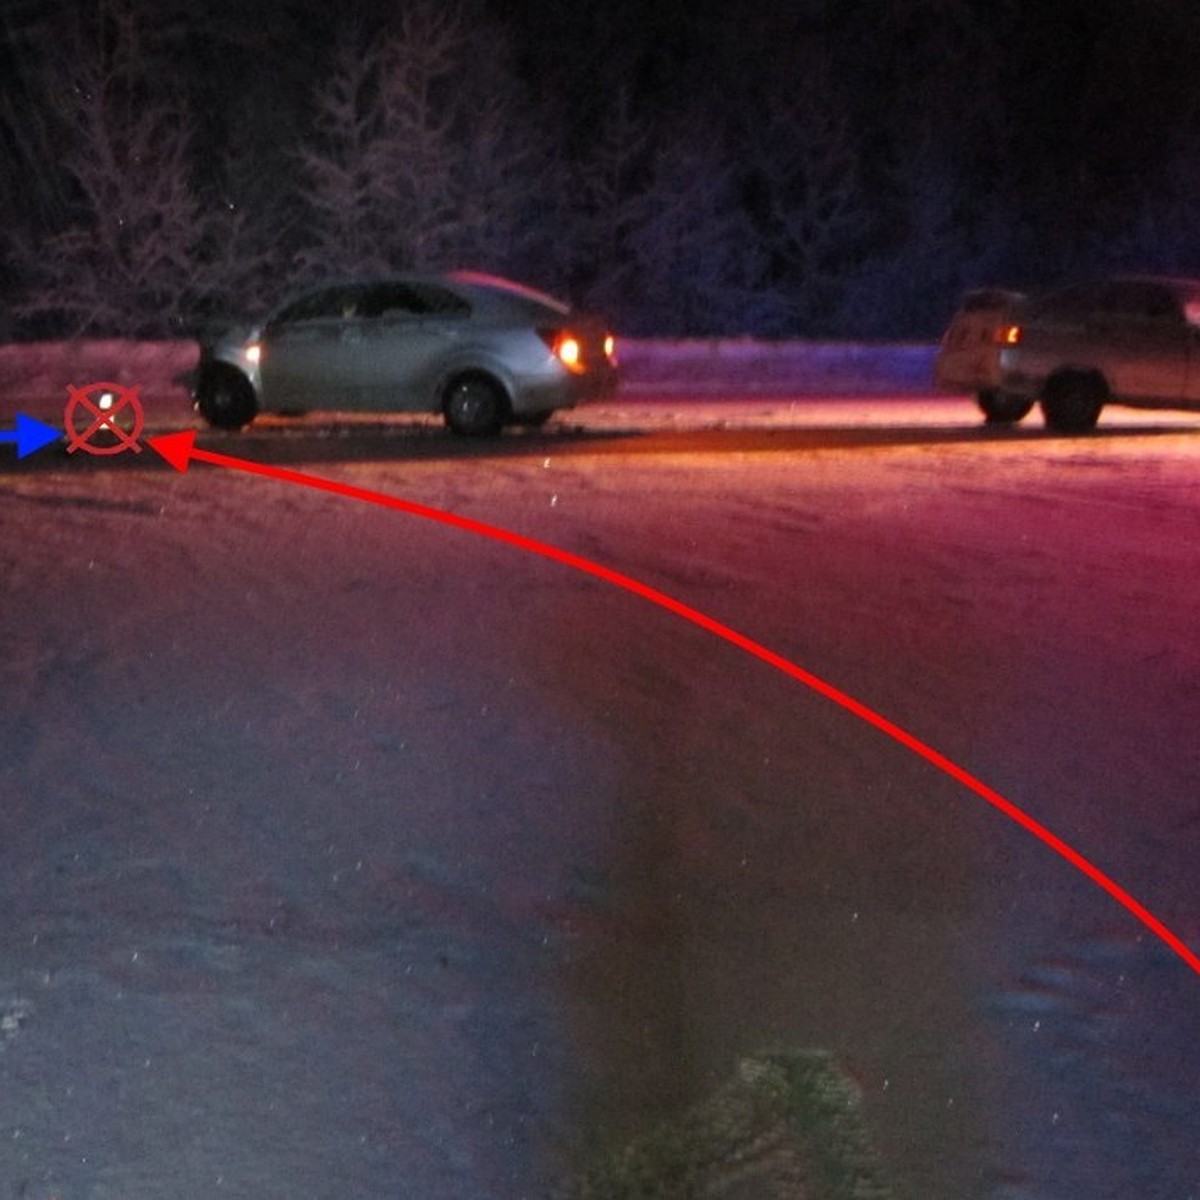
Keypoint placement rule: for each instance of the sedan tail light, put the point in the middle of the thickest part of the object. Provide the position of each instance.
(581, 351)
(566, 347)
(569, 352)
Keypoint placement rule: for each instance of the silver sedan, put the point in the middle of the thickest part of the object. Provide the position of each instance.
(481, 351)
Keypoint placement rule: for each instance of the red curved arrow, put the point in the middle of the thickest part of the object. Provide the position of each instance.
(179, 449)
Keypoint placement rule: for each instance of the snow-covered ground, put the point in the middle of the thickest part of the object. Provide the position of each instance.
(345, 855)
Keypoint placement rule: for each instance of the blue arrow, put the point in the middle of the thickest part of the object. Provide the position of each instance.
(30, 435)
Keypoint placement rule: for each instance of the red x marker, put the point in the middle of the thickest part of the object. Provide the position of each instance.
(102, 403)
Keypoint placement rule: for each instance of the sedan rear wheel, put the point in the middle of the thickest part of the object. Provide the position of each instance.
(474, 406)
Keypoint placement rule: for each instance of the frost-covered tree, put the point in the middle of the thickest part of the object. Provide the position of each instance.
(348, 164)
(933, 245)
(507, 175)
(812, 212)
(34, 191)
(422, 155)
(606, 206)
(418, 108)
(697, 267)
(133, 254)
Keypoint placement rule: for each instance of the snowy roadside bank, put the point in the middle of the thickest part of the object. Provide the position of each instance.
(747, 365)
(34, 376)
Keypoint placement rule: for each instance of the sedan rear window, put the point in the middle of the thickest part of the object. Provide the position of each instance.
(390, 300)
(411, 299)
(438, 301)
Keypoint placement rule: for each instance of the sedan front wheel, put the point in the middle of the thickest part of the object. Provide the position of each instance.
(225, 398)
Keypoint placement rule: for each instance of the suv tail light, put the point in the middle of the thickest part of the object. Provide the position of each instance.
(1009, 335)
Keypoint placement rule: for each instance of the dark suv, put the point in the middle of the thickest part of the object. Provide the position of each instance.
(1133, 341)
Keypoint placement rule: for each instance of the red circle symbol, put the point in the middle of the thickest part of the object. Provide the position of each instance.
(111, 419)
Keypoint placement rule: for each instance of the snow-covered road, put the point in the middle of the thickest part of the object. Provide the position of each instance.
(345, 855)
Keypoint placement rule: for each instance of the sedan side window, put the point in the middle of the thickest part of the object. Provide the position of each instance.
(339, 302)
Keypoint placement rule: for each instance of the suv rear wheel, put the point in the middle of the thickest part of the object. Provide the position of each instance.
(999, 408)
(1072, 400)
